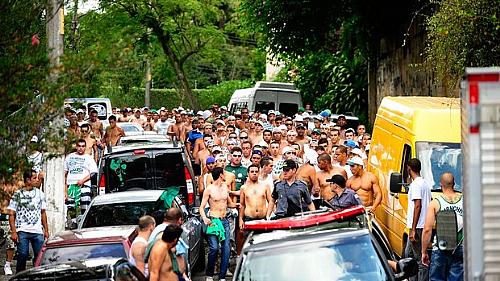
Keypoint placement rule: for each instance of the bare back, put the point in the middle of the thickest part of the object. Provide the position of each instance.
(160, 264)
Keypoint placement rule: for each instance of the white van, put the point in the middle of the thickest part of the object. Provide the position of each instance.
(267, 96)
(101, 105)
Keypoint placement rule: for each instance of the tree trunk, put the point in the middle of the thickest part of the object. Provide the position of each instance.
(181, 75)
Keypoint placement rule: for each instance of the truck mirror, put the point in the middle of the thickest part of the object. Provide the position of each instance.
(406, 268)
(396, 182)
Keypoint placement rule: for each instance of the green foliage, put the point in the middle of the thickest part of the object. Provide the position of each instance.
(170, 98)
(462, 33)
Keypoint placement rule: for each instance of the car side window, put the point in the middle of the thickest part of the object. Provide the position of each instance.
(406, 156)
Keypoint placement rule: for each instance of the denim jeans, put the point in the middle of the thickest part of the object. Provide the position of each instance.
(447, 265)
(25, 238)
(213, 249)
(413, 250)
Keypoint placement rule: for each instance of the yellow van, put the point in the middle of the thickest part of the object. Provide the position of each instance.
(406, 127)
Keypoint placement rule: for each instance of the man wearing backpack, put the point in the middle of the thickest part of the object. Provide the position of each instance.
(447, 258)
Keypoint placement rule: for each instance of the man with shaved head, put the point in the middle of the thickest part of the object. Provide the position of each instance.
(445, 264)
(327, 171)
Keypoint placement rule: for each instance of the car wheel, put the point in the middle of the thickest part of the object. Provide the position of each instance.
(199, 265)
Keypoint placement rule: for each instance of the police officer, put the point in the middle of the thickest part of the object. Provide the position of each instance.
(290, 196)
(344, 197)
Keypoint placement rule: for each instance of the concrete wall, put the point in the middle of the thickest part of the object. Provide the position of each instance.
(400, 70)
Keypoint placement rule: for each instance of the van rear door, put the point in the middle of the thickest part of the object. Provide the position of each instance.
(101, 107)
(265, 100)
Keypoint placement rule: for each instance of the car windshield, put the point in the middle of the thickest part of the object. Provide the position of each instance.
(438, 158)
(352, 258)
(128, 171)
(83, 253)
(119, 213)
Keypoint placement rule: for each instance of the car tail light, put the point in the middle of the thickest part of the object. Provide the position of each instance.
(139, 151)
(102, 185)
(189, 186)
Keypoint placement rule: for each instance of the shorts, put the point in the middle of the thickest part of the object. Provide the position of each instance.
(9, 244)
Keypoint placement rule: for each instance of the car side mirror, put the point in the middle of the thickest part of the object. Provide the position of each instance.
(406, 268)
(396, 182)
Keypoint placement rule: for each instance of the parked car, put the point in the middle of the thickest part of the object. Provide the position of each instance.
(329, 245)
(147, 166)
(81, 271)
(125, 209)
(130, 127)
(91, 246)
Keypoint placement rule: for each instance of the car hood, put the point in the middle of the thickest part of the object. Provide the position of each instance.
(89, 269)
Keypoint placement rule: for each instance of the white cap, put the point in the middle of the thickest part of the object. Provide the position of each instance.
(260, 123)
(80, 111)
(221, 122)
(263, 144)
(355, 161)
(287, 149)
(263, 116)
(216, 148)
(299, 118)
(357, 151)
(180, 108)
(199, 113)
(306, 115)
(184, 112)
(207, 114)
(231, 117)
(237, 112)
(271, 112)
(223, 107)
(282, 127)
(34, 139)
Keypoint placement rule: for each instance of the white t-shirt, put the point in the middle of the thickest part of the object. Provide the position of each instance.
(78, 167)
(347, 169)
(162, 127)
(28, 206)
(419, 189)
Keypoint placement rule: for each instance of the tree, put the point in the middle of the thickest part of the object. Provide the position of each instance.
(462, 33)
(183, 29)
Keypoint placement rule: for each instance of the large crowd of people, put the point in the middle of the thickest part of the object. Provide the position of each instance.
(249, 166)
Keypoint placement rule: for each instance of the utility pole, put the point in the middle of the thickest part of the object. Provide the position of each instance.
(54, 179)
(147, 95)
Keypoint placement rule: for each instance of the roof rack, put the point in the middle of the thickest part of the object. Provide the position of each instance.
(302, 221)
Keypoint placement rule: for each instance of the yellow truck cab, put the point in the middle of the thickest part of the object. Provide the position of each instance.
(427, 128)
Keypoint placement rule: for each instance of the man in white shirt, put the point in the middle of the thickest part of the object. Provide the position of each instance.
(78, 168)
(27, 219)
(161, 127)
(419, 197)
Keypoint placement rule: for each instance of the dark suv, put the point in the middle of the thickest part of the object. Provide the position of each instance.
(331, 245)
(147, 166)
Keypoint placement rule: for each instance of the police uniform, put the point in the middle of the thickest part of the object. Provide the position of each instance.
(291, 199)
(348, 198)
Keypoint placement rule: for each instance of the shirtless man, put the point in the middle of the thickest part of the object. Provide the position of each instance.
(96, 125)
(175, 129)
(200, 143)
(160, 261)
(113, 132)
(217, 195)
(326, 172)
(229, 178)
(138, 247)
(254, 197)
(340, 156)
(307, 174)
(365, 184)
(137, 118)
(91, 143)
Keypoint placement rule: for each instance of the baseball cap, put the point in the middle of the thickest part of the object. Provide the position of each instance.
(289, 164)
(337, 179)
(260, 123)
(317, 117)
(216, 148)
(180, 108)
(183, 112)
(287, 149)
(200, 113)
(256, 151)
(231, 118)
(300, 125)
(298, 118)
(301, 109)
(271, 112)
(282, 127)
(263, 144)
(232, 142)
(220, 122)
(324, 114)
(276, 130)
(34, 139)
(316, 131)
(223, 107)
(351, 144)
(263, 116)
(80, 111)
(306, 115)
(355, 161)
(357, 151)
(210, 160)
(341, 116)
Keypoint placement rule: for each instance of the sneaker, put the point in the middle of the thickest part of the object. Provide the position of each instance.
(7, 270)
(222, 279)
(209, 278)
(229, 273)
